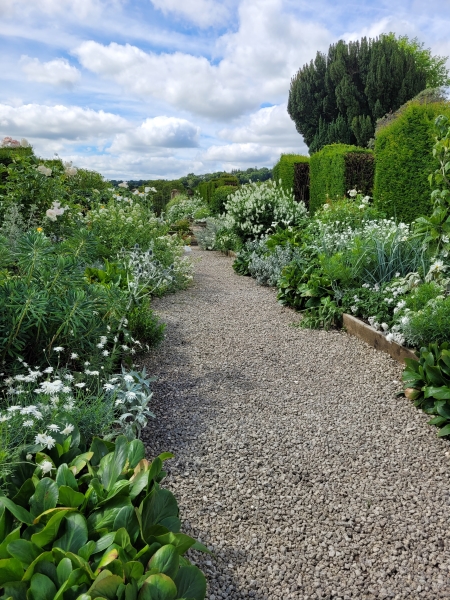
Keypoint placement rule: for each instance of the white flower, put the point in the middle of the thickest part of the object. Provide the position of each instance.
(51, 387)
(103, 339)
(100, 345)
(58, 349)
(67, 429)
(124, 184)
(108, 387)
(105, 353)
(14, 408)
(53, 427)
(87, 363)
(28, 423)
(48, 370)
(69, 377)
(118, 402)
(352, 193)
(74, 355)
(5, 418)
(41, 438)
(44, 171)
(128, 378)
(66, 390)
(46, 466)
(80, 385)
(384, 326)
(114, 379)
(24, 143)
(130, 395)
(29, 456)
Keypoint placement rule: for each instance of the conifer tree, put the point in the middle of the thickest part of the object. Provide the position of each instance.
(339, 96)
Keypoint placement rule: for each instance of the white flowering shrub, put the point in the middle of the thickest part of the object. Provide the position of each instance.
(192, 208)
(122, 223)
(218, 234)
(257, 209)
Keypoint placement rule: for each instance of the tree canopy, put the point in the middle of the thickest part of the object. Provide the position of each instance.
(338, 97)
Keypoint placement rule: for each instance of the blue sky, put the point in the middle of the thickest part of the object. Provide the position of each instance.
(161, 88)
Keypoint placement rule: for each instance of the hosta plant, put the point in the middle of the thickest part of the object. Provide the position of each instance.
(427, 383)
(79, 525)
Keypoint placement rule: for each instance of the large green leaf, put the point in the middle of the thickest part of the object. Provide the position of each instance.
(191, 583)
(63, 571)
(100, 448)
(440, 393)
(69, 497)
(24, 551)
(126, 517)
(50, 531)
(111, 465)
(76, 533)
(22, 497)
(105, 586)
(166, 560)
(41, 587)
(434, 375)
(17, 511)
(444, 431)
(76, 578)
(158, 505)
(133, 570)
(64, 476)
(10, 570)
(136, 452)
(14, 535)
(443, 409)
(42, 564)
(180, 541)
(158, 587)
(45, 496)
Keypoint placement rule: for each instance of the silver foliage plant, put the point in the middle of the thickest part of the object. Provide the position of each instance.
(266, 268)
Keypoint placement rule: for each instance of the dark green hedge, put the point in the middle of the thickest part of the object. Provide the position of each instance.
(338, 168)
(285, 168)
(301, 182)
(405, 160)
(206, 188)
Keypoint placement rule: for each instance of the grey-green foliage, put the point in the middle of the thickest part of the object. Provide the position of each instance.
(265, 266)
(47, 302)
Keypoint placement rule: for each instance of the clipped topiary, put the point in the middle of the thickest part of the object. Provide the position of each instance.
(403, 149)
(338, 168)
(293, 172)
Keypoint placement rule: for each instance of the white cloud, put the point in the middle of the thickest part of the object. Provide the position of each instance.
(270, 126)
(200, 12)
(159, 132)
(79, 9)
(258, 62)
(58, 72)
(53, 122)
(242, 154)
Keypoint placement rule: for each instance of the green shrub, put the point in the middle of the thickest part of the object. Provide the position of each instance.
(291, 177)
(429, 325)
(144, 325)
(220, 197)
(93, 524)
(404, 161)
(427, 382)
(338, 168)
(206, 189)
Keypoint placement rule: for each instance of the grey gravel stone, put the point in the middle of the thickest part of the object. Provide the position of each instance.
(295, 462)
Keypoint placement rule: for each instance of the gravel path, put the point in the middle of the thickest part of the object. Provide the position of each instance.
(295, 462)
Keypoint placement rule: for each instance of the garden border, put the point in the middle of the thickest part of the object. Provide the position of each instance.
(376, 339)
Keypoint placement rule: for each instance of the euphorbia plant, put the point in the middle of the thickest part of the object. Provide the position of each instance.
(77, 525)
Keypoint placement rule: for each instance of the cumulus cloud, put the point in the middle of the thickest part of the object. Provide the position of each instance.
(270, 126)
(159, 132)
(58, 72)
(53, 122)
(257, 61)
(241, 154)
(201, 12)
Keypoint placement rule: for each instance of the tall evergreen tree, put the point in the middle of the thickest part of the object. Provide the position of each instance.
(339, 96)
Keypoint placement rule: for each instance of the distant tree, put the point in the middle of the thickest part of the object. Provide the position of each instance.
(338, 97)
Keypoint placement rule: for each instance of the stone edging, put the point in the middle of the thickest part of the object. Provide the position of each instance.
(377, 340)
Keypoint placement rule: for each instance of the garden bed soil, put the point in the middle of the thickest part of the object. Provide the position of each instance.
(376, 339)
